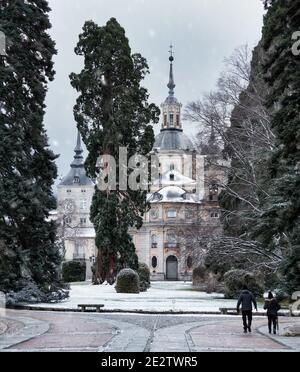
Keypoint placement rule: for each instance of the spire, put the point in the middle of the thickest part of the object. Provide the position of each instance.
(171, 84)
(78, 157)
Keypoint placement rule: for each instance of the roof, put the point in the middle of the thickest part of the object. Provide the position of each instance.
(77, 174)
(173, 194)
(173, 139)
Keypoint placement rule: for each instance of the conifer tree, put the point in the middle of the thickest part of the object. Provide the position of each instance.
(112, 111)
(280, 224)
(28, 252)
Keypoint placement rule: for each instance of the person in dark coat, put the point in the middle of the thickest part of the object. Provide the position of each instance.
(247, 300)
(272, 306)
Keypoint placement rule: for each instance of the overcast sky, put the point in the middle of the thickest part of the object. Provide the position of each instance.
(203, 32)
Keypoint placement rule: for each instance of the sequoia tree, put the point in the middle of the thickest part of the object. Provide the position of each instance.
(28, 250)
(112, 111)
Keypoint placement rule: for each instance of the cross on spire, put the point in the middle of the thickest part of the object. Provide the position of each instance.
(171, 84)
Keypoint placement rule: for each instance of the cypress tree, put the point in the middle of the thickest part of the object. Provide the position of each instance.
(112, 111)
(28, 250)
(280, 224)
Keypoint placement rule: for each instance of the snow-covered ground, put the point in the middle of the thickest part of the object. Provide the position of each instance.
(162, 296)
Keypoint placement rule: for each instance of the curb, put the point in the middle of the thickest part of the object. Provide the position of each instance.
(122, 311)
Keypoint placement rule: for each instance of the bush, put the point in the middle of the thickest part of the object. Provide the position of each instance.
(74, 271)
(235, 280)
(31, 293)
(144, 276)
(128, 281)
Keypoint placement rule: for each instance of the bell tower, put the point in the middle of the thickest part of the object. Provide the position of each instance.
(171, 108)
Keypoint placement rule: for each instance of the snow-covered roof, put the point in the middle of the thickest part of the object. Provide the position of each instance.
(173, 194)
(174, 178)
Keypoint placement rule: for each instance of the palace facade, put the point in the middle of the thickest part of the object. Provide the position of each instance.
(184, 202)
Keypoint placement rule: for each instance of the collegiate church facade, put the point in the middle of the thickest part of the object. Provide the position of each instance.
(184, 202)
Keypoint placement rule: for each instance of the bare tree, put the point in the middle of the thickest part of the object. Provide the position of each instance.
(236, 116)
(69, 226)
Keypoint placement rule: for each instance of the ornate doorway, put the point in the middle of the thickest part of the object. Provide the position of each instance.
(172, 268)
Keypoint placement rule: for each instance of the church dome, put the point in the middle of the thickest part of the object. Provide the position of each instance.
(173, 140)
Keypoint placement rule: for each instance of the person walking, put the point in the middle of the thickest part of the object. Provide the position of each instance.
(247, 300)
(272, 306)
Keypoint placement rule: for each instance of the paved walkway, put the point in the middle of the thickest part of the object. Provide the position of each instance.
(51, 331)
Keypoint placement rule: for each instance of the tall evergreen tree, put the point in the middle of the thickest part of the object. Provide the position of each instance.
(280, 224)
(112, 111)
(28, 252)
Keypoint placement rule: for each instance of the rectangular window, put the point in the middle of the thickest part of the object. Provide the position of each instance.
(83, 221)
(177, 121)
(165, 120)
(79, 252)
(171, 120)
(172, 213)
(83, 204)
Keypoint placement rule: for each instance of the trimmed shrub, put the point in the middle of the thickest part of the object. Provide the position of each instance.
(128, 281)
(144, 276)
(235, 280)
(74, 271)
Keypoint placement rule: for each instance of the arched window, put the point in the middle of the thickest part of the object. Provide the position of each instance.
(154, 262)
(76, 180)
(68, 220)
(171, 120)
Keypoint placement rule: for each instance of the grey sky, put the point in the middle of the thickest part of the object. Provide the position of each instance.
(203, 32)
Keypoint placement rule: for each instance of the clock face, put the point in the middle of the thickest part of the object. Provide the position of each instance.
(69, 206)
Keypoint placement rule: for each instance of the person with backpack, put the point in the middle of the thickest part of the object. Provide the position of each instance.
(272, 306)
(247, 300)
